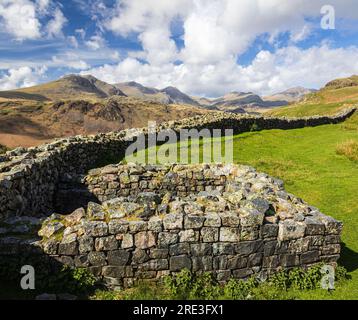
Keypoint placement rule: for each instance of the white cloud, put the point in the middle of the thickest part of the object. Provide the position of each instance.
(55, 25)
(19, 18)
(21, 77)
(151, 19)
(73, 41)
(68, 60)
(268, 73)
(43, 5)
(215, 34)
(96, 42)
(26, 19)
(81, 32)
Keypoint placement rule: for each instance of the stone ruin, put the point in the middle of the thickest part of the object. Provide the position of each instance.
(151, 221)
(130, 222)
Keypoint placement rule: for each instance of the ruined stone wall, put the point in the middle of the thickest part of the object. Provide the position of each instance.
(29, 178)
(229, 220)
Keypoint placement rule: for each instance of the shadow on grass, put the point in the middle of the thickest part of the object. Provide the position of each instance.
(349, 258)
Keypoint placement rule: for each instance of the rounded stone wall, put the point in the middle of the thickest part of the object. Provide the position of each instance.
(151, 221)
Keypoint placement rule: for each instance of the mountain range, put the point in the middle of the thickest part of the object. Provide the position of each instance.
(85, 105)
(90, 88)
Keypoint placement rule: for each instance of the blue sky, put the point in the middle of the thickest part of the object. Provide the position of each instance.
(204, 47)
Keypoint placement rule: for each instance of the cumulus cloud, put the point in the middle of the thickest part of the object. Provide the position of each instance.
(96, 42)
(26, 19)
(268, 72)
(55, 25)
(19, 18)
(215, 34)
(43, 5)
(68, 60)
(21, 77)
(196, 45)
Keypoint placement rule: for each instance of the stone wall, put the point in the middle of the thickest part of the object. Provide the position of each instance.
(225, 219)
(29, 178)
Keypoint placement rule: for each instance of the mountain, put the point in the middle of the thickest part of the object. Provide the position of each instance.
(239, 102)
(67, 87)
(29, 123)
(290, 95)
(108, 89)
(83, 104)
(176, 96)
(237, 99)
(136, 90)
(169, 95)
(87, 87)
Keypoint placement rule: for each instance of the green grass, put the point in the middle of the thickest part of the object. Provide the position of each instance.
(303, 110)
(186, 285)
(307, 161)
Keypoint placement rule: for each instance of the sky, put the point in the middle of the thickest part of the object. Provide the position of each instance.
(203, 47)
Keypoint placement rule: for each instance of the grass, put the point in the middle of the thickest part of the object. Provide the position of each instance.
(303, 110)
(307, 161)
(186, 285)
(349, 149)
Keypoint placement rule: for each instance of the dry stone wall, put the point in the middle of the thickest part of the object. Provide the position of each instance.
(229, 220)
(29, 178)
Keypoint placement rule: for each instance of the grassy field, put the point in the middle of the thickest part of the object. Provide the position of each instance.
(312, 165)
(307, 161)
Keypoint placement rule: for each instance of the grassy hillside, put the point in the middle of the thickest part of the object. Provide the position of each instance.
(308, 162)
(320, 165)
(335, 96)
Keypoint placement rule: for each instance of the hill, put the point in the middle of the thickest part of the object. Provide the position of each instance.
(31, 123)
(169, 95)
(290, 95)
(333, 97)
(136, 90)
(89, 88)
(67, 87)
(343, 83)
(239, 102)
(176, 96)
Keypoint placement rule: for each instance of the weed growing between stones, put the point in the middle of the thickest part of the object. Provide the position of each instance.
(186, 285)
